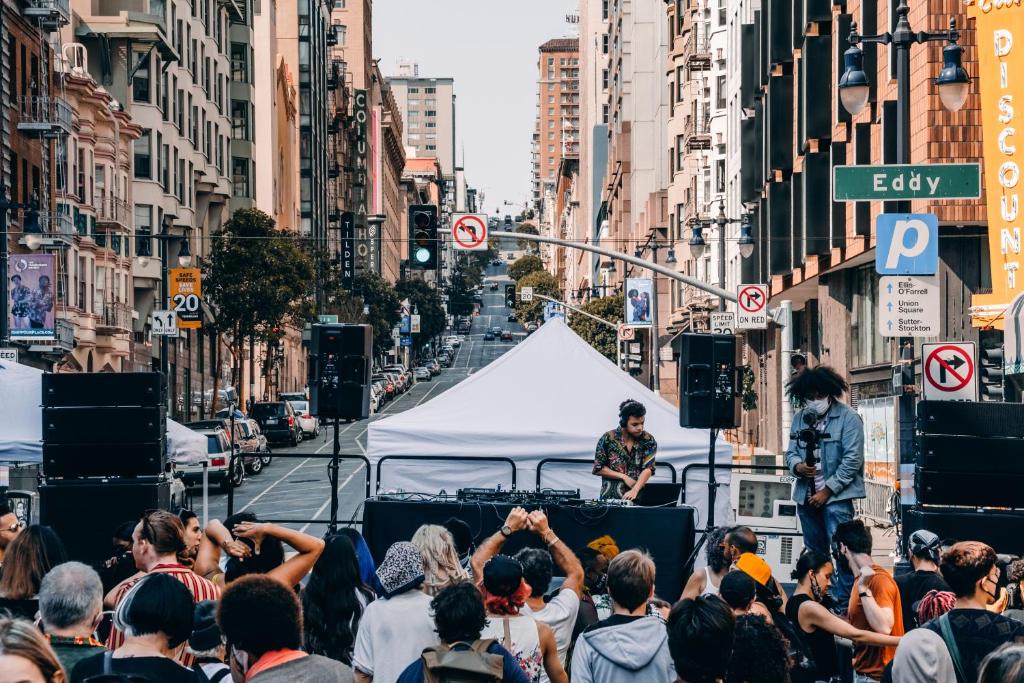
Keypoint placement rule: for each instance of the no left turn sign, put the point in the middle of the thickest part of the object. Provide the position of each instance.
(469, 231)
(751, 309)
(950, 372)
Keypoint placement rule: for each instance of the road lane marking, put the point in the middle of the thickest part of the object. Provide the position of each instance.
(323, 507)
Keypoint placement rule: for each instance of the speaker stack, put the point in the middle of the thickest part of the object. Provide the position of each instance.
(708, 381)
(104, 456)
(969, 474)
(339, 369)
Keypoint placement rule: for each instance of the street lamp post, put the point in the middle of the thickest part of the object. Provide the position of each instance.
(854, 88)
(655, 347)
(745, 241)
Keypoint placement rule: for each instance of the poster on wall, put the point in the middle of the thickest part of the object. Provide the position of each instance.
(880, 436)
(639, 299)
(31, 308)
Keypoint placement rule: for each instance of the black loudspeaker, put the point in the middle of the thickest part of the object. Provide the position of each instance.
(67, 461)
(708, 381)
(975, 489)
(944, 452)
(999, 529)
(964, 418)
(84, 389)
(85, 514)
(103, 425)
(340, 363)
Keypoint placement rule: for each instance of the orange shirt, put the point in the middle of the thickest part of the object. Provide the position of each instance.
(869, 660)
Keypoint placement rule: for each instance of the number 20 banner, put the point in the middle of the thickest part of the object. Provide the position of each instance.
(186, 296)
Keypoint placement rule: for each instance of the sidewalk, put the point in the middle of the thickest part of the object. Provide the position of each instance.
(883, 543)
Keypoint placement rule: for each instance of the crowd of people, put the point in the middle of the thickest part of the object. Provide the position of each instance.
(245, 600)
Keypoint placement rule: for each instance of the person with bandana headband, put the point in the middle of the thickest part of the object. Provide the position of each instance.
(970, 630)
(824, 492)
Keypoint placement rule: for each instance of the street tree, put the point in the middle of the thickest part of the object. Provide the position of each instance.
(530, 229)
(542, 282)
(524, 266)
(371, 293)
(602, 337)
(428, 305)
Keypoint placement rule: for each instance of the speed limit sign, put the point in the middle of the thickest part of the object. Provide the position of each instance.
(186, 297)
(723, 322)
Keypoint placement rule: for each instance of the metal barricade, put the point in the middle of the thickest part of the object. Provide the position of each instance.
(875, 505)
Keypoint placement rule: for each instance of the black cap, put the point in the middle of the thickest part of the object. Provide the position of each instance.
(205, 631)
(461, 534)
(502, 575)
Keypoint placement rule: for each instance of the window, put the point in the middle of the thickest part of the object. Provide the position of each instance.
(604, 79)
(430, 90)
(551, 149)
(181, 181)
(240, 176)
(413, 89)
(680, 83)
(866, 339)
(140, 83)
(722, 14)
(720, 92)
(431, 147)
(720, 176)
(604, 44)
(431, 112)
(240, 120)
(551, 135)
(551, 99)
(551, 111)
(165, 167)
(414, 115)
(339, 4)
(431, 124)
(680, 153)
(143, 228)
(143, 154)
(239, 64)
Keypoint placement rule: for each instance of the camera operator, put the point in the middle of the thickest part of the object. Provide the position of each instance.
(826, 453)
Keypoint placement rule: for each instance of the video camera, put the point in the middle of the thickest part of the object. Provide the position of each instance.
(808, 438)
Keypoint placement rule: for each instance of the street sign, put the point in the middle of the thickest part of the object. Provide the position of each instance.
(626, 333)
(165, 324)
(405, 324)
(889, 182)
(526, 294)
(908, 244)
(723, 322)
(751, 309)
(665, 354)
(949, 372)
(395, 334)
(406, 340)
(327, 319)
(908, 306)
(186, 297)
(414, 324)
(9, 354)
(469, 231)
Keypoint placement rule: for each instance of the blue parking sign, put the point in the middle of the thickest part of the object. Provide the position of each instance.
(908, 244)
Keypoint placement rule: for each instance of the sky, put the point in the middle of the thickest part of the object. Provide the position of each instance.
(490, 48)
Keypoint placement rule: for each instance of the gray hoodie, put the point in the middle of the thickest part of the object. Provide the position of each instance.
(634, 651)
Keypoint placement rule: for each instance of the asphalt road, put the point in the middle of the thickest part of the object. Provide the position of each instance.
(297, 488)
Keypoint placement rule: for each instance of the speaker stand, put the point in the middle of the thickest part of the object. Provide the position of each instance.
(712, 495)
(332, 473)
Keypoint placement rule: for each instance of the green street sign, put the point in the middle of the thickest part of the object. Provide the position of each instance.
(894, 182)
(327, 319)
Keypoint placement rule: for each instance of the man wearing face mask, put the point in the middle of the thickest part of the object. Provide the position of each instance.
(825, 491)
(970, 630)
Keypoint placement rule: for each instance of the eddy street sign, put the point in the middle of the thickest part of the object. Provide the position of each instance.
(893, 182)
(908, 306)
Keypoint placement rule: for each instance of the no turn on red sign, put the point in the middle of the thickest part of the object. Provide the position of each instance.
(752, 307)
(469, 231)
(950, 372)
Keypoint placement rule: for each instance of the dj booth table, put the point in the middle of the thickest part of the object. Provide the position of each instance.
(664, 532)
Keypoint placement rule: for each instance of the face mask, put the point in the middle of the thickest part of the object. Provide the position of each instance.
(816, 591)
(818, 406)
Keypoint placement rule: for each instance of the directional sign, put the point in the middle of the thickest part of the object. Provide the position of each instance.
(908, 244)
(949, 372)
(751, 311)
(626, 333)
(406, 340)
(891, 182)
(723, 322)
(165, 324)
(469, 231)
(908, 306)
(526, 294)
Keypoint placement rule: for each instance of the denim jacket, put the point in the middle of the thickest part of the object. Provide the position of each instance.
(840, 456)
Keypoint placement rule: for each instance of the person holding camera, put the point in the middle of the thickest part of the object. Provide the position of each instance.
(826, 454)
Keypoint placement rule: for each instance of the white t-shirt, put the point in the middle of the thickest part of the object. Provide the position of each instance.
(560, 615)
(392, 634)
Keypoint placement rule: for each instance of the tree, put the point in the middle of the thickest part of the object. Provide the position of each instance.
(524, 266)
(369, 291)
(530, 229)
(601, 337)
(542, 282)
(428, 305)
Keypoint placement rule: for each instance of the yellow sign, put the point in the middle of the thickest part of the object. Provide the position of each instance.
(999, 28)
(187, 296)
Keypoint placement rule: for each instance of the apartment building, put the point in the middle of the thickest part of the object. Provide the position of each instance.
(427, 106)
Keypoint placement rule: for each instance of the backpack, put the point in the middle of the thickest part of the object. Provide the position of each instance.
(462, 663)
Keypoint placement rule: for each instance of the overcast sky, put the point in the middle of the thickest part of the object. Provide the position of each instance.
(490, 48)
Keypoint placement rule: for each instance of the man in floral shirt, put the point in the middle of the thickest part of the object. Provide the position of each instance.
(625, 456)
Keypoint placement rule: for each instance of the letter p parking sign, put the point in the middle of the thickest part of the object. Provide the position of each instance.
(908, 244)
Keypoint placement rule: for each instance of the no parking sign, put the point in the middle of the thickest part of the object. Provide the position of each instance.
(950, 372)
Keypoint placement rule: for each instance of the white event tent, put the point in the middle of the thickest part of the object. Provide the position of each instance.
(21, 422)
(552, 396)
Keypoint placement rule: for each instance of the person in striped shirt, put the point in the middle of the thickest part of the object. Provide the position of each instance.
(157, 540)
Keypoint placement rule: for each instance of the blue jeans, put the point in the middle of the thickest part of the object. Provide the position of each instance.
(819, 524)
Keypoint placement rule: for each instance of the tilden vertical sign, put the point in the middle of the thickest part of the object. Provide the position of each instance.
(999, 33)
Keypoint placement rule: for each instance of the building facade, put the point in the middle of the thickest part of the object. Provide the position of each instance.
(428, 112)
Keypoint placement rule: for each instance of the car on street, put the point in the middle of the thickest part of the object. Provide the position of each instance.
(445, 359)
(218, 450)
(397, 382)
(253, 446)
(488, 336)
(404, 376)
(388, 385)
(309, 425)
(432, 365)
(262, 445)
(453, 340)
(277, 421)
(496, 330)
(531, 326)
(422, 374)
(508, 222)
(509, 256)
(506, 335)
(512, 318)
(497, 262)
(293, 396)
(494, 286)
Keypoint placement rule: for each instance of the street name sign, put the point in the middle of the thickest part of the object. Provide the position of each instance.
(908, 306)
(165, 324)
(327, 319)
(751, 308)
(950, 372)
(526, 294)
(9, 354)
(893, 182)
(908, 244)
(469, 231)
(723, 322)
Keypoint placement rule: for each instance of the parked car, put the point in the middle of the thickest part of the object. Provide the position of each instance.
(497, 262)
(397, 382)
(444, 359)
(249, 443)
(512, 318)
(432, 365)
(531, 326)
(261, 441)
(293, 396)
(422, 374)
(307, 423)
(277, 420)
(375, 398)
(389, 387)
(404, 376)
(453, 340)
(218, 449)
(488, 336)
(506, 335)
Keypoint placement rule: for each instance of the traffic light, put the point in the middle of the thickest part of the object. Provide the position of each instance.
(510, 296)
(423, 245)
(990, 369)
